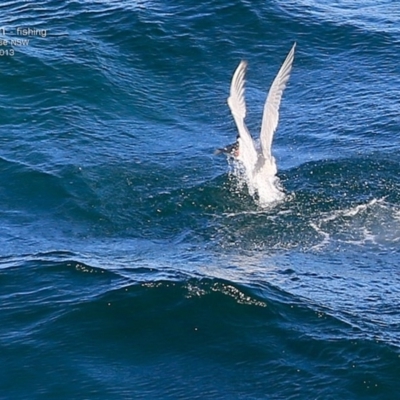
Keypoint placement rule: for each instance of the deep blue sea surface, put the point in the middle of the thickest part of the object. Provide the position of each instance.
(134, 265)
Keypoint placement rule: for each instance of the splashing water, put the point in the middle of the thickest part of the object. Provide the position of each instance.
(263, 186)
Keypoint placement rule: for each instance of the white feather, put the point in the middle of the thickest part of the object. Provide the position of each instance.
(237, 104)
(271, 108)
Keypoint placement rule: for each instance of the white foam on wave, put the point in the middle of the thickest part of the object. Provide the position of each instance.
(375, 222)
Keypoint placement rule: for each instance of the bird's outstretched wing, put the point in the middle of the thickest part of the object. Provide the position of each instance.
(271, 108)
(237, 106)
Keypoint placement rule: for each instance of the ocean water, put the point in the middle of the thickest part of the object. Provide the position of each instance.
(133, 263)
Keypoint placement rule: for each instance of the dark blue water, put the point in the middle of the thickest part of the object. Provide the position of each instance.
(133, 265)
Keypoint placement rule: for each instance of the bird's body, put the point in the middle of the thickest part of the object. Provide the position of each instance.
(258, 162)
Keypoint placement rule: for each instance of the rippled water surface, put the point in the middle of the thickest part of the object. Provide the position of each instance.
(133, 264)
